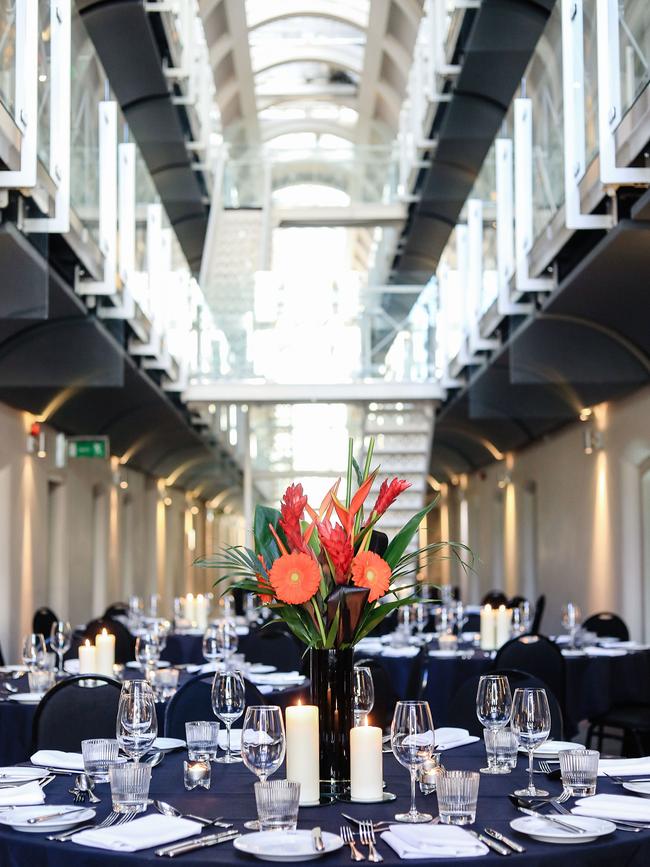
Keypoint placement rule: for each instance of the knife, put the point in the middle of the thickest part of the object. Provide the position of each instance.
(204, 842)
(44, 818)
(496, 835)
(491, 844)
(554, 820)
(317, 839)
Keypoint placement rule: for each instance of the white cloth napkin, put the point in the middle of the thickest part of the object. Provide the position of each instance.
(625, 767)
(266, 690)
(22, 796)
(400, 651)
(604, 651)
(614, 807)
(447, 738)
(235, 739)
(58, 759)
(281, 677)
(433, 841)
(139, 834)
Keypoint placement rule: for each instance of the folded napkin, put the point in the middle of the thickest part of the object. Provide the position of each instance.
(58, 759)
(447, 738)
(625, 767)
(400, 651)
(281, 677)
(144, 833)
(22, 796)
(235, 739)
(266, 690)
(604, 651)
(614, 807)
(71, 666)
(433, 841)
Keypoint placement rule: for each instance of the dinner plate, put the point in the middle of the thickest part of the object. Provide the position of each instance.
(444, 654)
(261, 668)
(10, 669)
(285, 845)
(135, 664)
(638, 788)
(19, 775)
(570, 654)
(549, 832)
(168, 744)
(26, 697)
(550, 749)
(16, 818)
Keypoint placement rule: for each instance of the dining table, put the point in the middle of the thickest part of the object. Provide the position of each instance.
(231, 797)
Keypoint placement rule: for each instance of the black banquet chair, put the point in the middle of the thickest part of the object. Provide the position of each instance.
(495, 598)
(124, 640)
(274, 644)
(73, 711)
(462, 709)
(540, 605)
(116, 609)
(538, 656)
(193, 701)
(385, 696)
(43, 620)
(607, 625)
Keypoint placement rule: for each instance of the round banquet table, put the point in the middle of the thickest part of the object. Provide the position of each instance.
(185, 648)
(231, 797)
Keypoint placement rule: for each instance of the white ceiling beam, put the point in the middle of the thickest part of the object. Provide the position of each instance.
(231, 391)
(377, 27)
(262, 12)
(332, 55)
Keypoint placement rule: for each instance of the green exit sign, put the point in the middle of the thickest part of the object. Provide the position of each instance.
(88, 447)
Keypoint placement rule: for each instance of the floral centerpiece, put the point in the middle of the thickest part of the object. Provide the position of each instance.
(332, 577)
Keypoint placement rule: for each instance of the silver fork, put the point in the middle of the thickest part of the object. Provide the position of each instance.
(621, 824)
(126, 817)
(546, 768)
(367, 836)
(109, 820)
(348, 837)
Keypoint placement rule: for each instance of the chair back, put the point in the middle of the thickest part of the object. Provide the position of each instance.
(75, 710)
(124, 640)
(495, 598)
(607, 625)
(539, 657)
(540, 605)
(116, 609)
(193, 701)
(462, 708)
(385, 696)
(275, 645)
(43, 620)
(2, 659)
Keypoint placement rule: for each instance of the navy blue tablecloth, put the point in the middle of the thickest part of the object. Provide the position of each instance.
(231, 796)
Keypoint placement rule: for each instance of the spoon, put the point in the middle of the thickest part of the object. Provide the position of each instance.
(168, 810)
(9, 687)
(85, 783)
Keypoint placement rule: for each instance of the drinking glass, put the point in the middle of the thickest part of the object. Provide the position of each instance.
(571, 619)
(262, 744)
(137, 724)
(98, 755)
(164, 682)
(147, 650)
(461, 617)
(228, 702)
(412, 740)
(40, 680)
(34, 650)
(493, 708)
(60, 639)
(457, 796)
(579, 769)
(531, 723)
(211, 646)
(129, 787)
(364, 693)
(277, 805)
(228, 640)
(202, 740)
(501, 749)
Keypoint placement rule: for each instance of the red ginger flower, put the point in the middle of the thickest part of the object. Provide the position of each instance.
(292, 510)
(369, 570)
(295, 577)
(388, 493)
(339, 549)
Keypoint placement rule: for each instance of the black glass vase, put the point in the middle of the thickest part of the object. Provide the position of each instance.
(331, 675)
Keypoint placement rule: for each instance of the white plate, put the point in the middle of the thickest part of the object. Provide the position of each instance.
(570, 654)
(638, 788)
(19, 775)
(547, 832)
(550, 749)
(26, 697)
(135, 664)
(16, 818)
(285, 845)
(444, 654)
(9, 669)
(261, 668)
(168, 744)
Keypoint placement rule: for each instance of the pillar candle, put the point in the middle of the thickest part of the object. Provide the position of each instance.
(503, 625)
(190, 608)
(488, 627)
(104, 653)
(366, 766)
(87, 663)
(303, 754)
(201, 609)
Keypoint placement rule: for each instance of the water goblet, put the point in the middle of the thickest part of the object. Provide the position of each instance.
(493, 708)
(228, 702)
(137, 723)
(412, 741)
(228, 640)
(34, 651)
(60, 639)
(211, 647)
(263, 744)
(571, 619)
(531, 723)
(147, 650)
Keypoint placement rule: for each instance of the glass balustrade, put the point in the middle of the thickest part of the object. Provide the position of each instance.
(8, 54)
(634, 34)
(44, 83)
(590, 57)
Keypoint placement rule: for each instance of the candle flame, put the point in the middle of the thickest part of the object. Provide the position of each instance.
(87, 642)
(104, 632)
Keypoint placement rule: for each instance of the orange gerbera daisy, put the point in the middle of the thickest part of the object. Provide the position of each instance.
(295, 577)
(369, 570)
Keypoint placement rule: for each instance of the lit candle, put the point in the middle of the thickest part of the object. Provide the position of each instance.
(104, 653)
(503, 625)
(488, 626)
(190, 608)
(201, 611)
(366, 766)
(303, 755)
(87, 664)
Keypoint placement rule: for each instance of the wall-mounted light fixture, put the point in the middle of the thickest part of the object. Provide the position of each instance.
(586, 413)
(167, 501)
(503, 480)
(36, 440)
(592, 440)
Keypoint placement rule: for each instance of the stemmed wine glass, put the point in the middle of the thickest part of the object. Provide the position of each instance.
(228, 640)
(493, 708)
(412, 742)
(60, 639)
(137, 724)
(228, 702)
(421, 610)
(34, 651)
(364, 693)
(147, 650)
(211, 644)
(263, 744)
(571, 619)
(531, 723)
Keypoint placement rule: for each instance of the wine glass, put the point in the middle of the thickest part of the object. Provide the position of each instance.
(34, 651)
(137, 723)
(211, 646)
(147, 650)
(571, 619)
(364, 693)
(60, 639)
(161, 629)
(493, 708)
(136, 611)
(228, 640)
(531, 723)
(228, 702)
(263, 744)
(412, 742)
(421, 617)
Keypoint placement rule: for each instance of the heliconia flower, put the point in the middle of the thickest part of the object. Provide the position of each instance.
(388, 493)
(369, 570)
(292, 509)
(295, 577)
(339, 549)
(262, 578)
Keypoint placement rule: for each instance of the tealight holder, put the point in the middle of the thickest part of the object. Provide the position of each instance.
(429, 774)
(196, 774)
